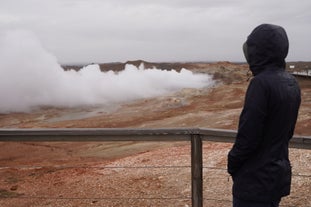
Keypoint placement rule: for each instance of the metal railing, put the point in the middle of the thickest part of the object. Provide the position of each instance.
(195, 135)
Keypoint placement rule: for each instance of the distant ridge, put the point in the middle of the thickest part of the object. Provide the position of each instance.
(118, 66)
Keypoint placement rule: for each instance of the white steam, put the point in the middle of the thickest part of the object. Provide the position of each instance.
(31, 77)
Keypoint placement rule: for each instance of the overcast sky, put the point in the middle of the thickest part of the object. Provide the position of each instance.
(78, 31)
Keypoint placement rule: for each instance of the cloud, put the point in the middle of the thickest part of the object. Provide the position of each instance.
(104, 31)
(31, 77)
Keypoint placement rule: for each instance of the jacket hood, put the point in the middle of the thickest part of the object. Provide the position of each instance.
(266, 46)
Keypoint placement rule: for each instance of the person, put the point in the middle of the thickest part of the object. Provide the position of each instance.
(258, 161)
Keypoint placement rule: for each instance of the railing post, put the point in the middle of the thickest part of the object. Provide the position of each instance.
(196, 171)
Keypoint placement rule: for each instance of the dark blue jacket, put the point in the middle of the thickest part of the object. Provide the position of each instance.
(258, 160)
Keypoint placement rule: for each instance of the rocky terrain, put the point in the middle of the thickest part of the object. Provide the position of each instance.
(120, 174)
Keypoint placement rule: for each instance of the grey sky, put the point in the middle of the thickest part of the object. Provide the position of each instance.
(155, 30)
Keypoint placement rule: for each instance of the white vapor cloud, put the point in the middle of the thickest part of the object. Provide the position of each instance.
(31, 77)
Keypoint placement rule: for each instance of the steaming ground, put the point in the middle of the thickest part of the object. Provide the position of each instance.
(215, 107)
(31, 77)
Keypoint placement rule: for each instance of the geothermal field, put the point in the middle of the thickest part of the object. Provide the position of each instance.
(132, 173)
(37, 92)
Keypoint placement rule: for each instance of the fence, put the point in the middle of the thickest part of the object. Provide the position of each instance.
(194, 135)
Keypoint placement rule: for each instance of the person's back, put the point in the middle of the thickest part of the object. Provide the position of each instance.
(258, 161)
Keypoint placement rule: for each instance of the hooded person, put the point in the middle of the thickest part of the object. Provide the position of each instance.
(258, 161)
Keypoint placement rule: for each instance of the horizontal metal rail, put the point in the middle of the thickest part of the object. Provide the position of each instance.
(96, 134)
(129, 134)
(194, 135)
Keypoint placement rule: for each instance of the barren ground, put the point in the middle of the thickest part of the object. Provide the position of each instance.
(138, 173)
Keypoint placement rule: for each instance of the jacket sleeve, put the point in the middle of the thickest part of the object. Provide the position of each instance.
(251, 126)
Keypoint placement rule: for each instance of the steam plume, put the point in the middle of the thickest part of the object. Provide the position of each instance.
(31, 77)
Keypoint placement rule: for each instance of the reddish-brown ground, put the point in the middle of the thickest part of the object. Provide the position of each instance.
(123, 173)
